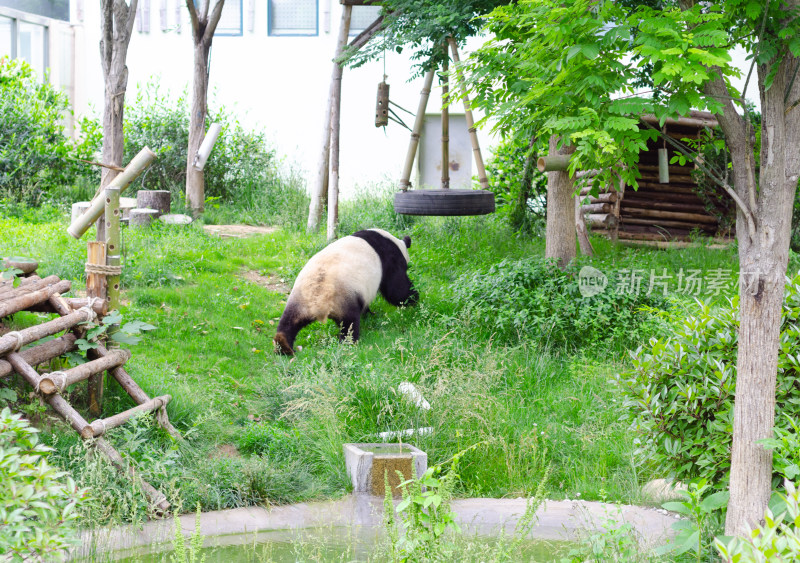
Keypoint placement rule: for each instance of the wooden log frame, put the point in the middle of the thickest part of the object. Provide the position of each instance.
(19, 302)
(50, 385)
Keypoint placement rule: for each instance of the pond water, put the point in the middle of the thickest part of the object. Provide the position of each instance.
(331, 544)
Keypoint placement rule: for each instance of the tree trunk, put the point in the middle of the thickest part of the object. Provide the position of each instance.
(560, 230)
(203, 27)
(763, 257)
(116, 27)
(195, 179)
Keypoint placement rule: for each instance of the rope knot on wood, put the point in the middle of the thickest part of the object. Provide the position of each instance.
(103, 270)
(18, 337)
(90, 314)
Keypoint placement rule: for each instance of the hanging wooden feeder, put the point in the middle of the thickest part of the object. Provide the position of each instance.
(382, 105)
(443, 201)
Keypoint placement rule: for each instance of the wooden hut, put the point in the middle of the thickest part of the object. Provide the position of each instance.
(659, 210)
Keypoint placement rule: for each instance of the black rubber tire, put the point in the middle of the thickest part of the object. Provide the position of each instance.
(439, 202)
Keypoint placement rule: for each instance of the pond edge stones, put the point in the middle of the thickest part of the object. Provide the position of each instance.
(366, 468)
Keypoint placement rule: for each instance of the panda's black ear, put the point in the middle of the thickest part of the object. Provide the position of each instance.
(407, 240)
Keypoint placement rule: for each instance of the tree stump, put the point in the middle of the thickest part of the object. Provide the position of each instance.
(78, 208)
(126, 205)
(142, 217)
(154, 199)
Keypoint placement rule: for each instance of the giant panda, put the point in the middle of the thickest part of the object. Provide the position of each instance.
(340, 282)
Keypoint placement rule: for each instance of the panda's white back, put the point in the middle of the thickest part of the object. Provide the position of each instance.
(345, 267)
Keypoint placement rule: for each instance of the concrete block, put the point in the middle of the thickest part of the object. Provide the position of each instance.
(367, 464)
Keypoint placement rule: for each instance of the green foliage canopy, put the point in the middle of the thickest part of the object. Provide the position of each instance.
(568, 68)
(424, 26)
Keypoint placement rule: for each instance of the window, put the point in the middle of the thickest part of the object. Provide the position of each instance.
(362, 17)
(7, 43)
(293, 17)
(31, 46)
(230, 22)
(56, 9)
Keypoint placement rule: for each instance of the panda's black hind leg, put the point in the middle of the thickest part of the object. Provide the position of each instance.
(350, 323)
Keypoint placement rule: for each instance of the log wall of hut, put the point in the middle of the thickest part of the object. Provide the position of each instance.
(659, 211)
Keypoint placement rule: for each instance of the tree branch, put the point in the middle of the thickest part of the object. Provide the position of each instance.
(213, 20)
(130, 17)
(195, 23)
(107, 41)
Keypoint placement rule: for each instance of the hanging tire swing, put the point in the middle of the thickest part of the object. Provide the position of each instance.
(443, 202)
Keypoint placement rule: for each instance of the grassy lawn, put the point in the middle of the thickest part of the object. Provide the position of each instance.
(266, 429)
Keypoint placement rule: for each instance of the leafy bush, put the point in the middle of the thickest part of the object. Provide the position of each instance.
(37, 505)
(239, 164)
(681, 390)
(505, 171)
(35, 154)
(778, 539)
(533, 299)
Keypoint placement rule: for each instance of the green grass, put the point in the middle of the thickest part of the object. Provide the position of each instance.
(265, 429)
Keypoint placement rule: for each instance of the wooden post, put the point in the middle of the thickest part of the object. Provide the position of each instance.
(473, 134)
(96, 287)
(617, 211)
(416, 131)
(336, 109)
(321, 186)
(445, 124)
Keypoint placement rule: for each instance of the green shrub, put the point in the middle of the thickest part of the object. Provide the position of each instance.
(239, 164)
(505, 171)
(276, 443)
(680, 390)
(35, 154)
(533, 299)
(37, 503)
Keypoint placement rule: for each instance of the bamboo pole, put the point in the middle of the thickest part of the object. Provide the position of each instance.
(135, 167)
(22, 302)
(57, 382)
(336, 111)
(473, 134)
(445, 80)
(113, 244)
(14, 340)
(416, 131)
(41, 353)
(101, 426)
(553, 163)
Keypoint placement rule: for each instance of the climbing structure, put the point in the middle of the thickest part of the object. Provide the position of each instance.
(21, 351)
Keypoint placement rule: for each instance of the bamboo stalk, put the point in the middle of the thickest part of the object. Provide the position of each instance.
(416, 131)
(101, 426)
(445, 124)
(22, 302)
(9, 343)
(41, 353)
(135, 167)
(473, 134)
(336, 112)
(553, 163)
(113, 244)
(663, 166)
(49, 384)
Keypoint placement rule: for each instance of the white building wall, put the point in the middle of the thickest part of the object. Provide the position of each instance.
(278, 84)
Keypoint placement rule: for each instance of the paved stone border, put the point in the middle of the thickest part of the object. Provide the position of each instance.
(556, 520)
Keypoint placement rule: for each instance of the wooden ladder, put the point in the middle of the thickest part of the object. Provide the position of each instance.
(37, 294)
